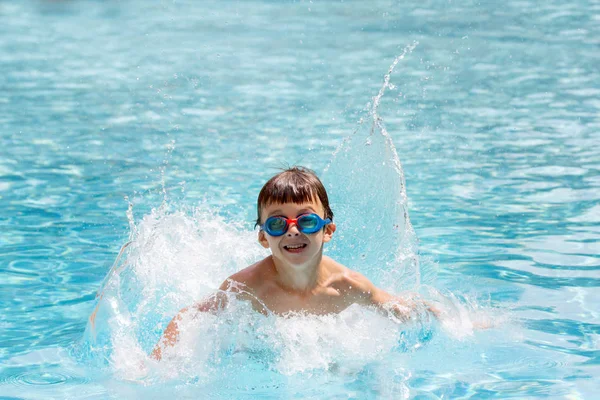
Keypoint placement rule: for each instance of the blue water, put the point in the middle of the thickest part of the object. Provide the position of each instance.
(159, 122)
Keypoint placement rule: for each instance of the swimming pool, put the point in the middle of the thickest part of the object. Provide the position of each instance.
(178, 111)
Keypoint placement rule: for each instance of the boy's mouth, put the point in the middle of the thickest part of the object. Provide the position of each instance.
(295, 248)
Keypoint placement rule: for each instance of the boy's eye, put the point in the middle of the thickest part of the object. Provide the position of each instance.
(308, 221)
(277, 224)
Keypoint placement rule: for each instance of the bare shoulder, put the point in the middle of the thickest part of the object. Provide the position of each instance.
(336, 268)
(249, 277)
(359, 281)
(333, 265)
(248, 283)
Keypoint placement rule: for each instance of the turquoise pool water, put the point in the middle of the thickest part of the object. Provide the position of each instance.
(158, 123)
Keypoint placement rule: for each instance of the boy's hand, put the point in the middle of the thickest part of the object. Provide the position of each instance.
(407, 306)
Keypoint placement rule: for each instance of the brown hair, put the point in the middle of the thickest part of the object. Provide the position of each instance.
(293, 185)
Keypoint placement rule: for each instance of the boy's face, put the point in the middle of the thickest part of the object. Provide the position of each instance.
(295, 247)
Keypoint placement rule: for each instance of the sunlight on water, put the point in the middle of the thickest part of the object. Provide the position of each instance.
(496, 121)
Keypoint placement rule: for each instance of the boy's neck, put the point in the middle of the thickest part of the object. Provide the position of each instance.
(299, 278)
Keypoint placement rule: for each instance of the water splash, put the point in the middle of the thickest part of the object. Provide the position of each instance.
(365, 181)
(179, 257)
(174, 259)
(169, 153)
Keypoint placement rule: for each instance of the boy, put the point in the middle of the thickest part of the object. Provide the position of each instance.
(295, 222)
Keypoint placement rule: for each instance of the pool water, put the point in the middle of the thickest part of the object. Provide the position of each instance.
(157, 123)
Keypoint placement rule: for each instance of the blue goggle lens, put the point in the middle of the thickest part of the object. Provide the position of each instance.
(309, 223)
(276, 225)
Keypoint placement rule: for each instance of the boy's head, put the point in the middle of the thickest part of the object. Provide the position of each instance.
(294, 185)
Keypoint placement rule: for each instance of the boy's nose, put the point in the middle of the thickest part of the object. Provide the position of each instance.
(293, 230)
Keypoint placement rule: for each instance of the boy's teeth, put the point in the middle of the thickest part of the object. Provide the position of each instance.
(297, 246)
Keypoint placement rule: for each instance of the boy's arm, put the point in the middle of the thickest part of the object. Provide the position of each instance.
(364, 292)
(170, 336)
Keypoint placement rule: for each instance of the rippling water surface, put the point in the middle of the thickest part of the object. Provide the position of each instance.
(495, 116)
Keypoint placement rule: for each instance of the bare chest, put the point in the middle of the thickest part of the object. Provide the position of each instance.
(280, 301)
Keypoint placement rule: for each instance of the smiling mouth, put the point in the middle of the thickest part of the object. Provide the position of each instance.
(295, 248)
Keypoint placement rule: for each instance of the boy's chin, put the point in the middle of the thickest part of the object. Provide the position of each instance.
(298, 258)
(293, 254)
(295, 258)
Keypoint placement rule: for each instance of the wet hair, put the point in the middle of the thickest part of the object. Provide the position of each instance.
(293, 185)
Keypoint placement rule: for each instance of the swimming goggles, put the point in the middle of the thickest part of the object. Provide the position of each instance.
(307, 223)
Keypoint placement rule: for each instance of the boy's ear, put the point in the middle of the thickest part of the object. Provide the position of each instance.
(262, 239)
(328, 233)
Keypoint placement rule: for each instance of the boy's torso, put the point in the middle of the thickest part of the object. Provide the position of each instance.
(261, 287)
